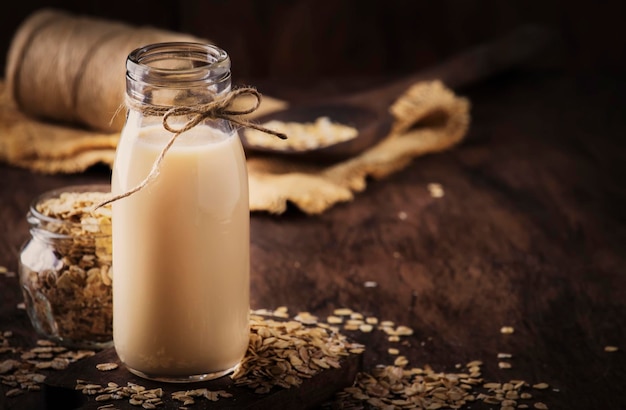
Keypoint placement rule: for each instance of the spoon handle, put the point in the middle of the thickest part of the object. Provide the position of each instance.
(466, 68)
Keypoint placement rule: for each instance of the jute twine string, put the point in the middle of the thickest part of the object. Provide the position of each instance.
(217, 109)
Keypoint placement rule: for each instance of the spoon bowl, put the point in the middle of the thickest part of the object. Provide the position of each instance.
(371, 126)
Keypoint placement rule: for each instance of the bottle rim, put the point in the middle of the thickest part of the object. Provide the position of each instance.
(184, 64)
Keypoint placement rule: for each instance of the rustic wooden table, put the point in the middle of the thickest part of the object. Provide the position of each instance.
(530, 233)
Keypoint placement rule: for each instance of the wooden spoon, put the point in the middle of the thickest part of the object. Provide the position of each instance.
(368, 111)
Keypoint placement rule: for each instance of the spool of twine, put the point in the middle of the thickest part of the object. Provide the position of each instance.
(71, 69)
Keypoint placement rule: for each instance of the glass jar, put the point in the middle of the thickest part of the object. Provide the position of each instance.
(181, 243)
(65, 267)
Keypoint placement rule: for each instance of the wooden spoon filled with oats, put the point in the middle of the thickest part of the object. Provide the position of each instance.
(339, 128)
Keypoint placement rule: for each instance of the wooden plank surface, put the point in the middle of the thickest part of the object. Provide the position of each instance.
(530, 233)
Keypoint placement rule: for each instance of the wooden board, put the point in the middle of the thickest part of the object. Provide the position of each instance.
(59, 391)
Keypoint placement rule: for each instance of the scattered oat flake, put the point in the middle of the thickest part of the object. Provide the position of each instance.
(366, 328)
(370, 284)
(504, 355)
(371, 320)
(504, 365)
(6, 272)
(306, 318)
(343, 312)
(334, 320)
(281, 309)
(611, 349)
(402, 215)
(541, 406)
(400, 361)
(354, 322)
(507, 330)
(541, 386)
(104, 367)
(14, 392)
(404, 331)
(435, 189)
(393, 351)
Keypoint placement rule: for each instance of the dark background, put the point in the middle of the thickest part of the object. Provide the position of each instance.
(305, 39)
(532, 228)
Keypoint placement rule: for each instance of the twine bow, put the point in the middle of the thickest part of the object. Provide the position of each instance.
(218, 109)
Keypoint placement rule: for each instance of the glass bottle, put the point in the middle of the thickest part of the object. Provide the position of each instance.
(181, 244)
(65, 267)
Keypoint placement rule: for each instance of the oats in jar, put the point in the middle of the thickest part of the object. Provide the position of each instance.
(65, 267)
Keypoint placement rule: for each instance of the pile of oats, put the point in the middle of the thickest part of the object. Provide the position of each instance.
(395, 386)
(22, 369)
(140, 396)
(135, 394)
(283, 353)
(65, 269)
(399, 387)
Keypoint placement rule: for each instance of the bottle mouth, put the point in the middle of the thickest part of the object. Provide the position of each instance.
(178, 64)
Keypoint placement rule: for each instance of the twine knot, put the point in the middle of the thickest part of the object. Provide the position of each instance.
(217, 109)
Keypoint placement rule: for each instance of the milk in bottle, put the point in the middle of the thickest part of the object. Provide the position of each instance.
(181, 243)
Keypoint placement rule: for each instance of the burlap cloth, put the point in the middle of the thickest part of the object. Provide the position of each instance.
(51, 148)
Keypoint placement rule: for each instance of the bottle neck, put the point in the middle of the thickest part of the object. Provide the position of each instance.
(177, 74)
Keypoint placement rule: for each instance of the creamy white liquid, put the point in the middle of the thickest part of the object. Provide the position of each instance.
(181, 253)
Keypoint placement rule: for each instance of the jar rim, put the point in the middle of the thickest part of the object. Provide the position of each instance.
(35, 217)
